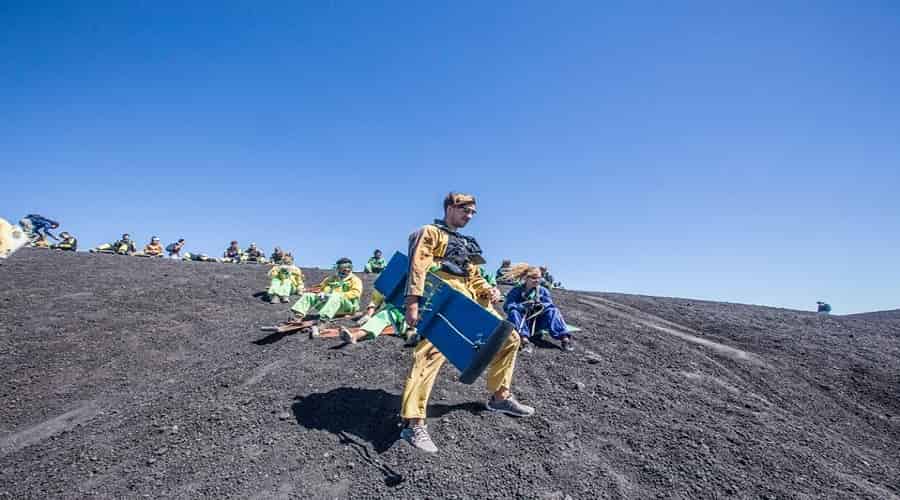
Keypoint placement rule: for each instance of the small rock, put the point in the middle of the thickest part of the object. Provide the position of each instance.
(578, 386)
(284, 415)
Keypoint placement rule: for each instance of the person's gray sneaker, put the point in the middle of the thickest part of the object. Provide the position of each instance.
(527, 346)
(509, 406)
(417, 436)
(314, 332)
(412, 338)
(347, 336)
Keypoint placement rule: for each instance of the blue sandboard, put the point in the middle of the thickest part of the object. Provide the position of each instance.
(467, 334)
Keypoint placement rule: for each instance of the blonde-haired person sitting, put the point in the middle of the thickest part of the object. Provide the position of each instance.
(529, 307)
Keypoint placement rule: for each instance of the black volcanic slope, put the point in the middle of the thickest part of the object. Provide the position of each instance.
(126, 377)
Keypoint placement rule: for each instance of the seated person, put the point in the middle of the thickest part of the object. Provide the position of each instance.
(338, 294)
(501, 272)
(373, 323)
(125, 246)
(254, 254)
(287, 280)
(529, 307)
(68, 243)
(547, 279)
(199, 257)
(277, 255)
(376, 263)
(154, 248)
(823, 307)
(233, 253)
(173, 250)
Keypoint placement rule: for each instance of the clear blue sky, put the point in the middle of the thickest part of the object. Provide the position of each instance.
(716, 150)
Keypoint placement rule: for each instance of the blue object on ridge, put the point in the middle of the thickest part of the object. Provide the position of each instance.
(466, 334)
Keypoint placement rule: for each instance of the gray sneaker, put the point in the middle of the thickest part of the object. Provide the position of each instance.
(509, 406)
(314, 332)
(412, 338)
(417, 436)
(347, 336)
(527, 346)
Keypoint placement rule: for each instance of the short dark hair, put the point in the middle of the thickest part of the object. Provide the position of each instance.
(344, 260)
(454, 199)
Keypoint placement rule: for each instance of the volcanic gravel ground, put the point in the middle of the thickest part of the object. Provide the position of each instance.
(128, 377)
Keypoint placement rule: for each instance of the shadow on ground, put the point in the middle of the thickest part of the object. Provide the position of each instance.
(372, 415)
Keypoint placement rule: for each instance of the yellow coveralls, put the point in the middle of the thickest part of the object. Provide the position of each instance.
(296, 278)
(426, 248)
(153, 249)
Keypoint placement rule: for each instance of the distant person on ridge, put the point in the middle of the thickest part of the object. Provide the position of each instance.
(233, 253)
(124, 246)
(376, 263)
(173, 250)
(68, 242)
(823, 307)
(530, 308)
(254, 254)
(154, 248)
(36, 226)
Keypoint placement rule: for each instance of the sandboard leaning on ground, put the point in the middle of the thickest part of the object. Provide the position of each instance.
(12, 238)
(463, 331)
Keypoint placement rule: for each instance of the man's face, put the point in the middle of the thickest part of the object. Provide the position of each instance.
(460, 215)
(377, 255)
(344, 270)
(532, 279)
(125, 237)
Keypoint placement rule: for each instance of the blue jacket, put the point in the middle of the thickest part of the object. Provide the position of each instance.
(516, 298)
(39, 222)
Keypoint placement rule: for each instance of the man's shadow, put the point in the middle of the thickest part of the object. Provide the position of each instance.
(357, 416)
(541, 342)
(370, 414)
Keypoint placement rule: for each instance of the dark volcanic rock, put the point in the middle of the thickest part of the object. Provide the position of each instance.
(127, 377)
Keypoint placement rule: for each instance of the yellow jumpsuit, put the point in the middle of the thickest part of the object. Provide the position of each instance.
(426, 249)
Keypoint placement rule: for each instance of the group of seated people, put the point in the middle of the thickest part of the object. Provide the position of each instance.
(528, 305)
(233, 254)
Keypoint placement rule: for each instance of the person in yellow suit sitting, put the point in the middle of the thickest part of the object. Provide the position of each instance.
(68, 242)
(338, 293)
(153, 249)
(124, 246)
(287, 280)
